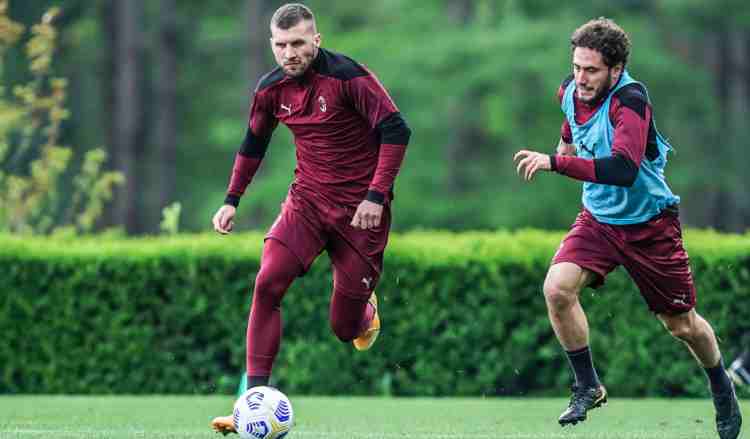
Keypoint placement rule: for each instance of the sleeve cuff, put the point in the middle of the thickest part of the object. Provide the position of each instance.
(232, 200)
(375, 197)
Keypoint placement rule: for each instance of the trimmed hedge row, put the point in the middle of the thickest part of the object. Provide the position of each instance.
(463, 314)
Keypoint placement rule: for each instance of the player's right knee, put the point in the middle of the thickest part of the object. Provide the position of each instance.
(559, 294)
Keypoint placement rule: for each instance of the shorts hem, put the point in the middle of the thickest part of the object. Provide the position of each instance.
(600, 277)
(305, 267)
(671, 312)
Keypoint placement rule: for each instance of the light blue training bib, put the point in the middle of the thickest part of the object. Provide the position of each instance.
(611, 204)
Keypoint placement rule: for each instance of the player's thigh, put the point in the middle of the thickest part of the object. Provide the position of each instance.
(568, 277)
(587, 254)
(299, 231)
(357, 257)
(354, 274)
(657, 261)
(279, 267)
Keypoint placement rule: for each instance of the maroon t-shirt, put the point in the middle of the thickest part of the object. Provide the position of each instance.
(349, 135)
(634, 137)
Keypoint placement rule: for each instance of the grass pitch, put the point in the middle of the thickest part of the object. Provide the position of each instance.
(187, 417)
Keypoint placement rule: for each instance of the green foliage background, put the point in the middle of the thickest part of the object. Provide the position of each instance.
(475, 87)
(463, 314)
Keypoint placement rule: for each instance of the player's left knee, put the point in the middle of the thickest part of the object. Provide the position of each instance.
(344, 329)
(681, 326)
(681, 332)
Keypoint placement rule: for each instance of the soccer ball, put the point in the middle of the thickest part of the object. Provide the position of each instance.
(263, 413)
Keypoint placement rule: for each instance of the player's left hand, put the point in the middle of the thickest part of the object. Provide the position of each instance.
(529, 162)
(368, 215)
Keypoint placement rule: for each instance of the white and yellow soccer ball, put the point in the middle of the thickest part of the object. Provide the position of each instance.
(263, 413)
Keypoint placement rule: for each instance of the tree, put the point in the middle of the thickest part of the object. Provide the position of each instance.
(720, 42)
(125, 19)
(166, 102)
(34, 167)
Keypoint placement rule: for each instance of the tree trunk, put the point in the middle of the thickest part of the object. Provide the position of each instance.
(124, 19)
(738, 133)
(463, 132)
(166, 104)
(733, 91)
(258, 48)
(725, 50)
(259, 62)
(745, 78)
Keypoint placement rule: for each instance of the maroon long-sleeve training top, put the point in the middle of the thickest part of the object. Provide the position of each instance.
(350, 137)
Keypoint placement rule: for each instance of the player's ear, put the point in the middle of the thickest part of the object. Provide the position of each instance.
(317, 40)
(617, 71)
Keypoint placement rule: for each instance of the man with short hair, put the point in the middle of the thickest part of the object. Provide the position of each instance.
(630, 218)
(350, 141)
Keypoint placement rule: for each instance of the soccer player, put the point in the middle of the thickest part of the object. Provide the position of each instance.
(629, 218)
(350, 141)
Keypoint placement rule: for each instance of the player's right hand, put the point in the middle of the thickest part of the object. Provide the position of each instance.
(223, 219)
(530, 162)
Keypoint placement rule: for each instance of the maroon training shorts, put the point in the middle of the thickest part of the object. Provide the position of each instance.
(651, 252)
(309, 224)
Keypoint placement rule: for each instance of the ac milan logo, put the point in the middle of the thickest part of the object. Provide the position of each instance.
(322, 102)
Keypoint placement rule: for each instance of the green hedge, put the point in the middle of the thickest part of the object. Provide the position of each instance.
(463, 314)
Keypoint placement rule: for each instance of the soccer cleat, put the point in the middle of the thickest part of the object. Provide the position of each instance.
(583, 400)
(738, 373)
(367, 338)
(728, 416)
(223, 425)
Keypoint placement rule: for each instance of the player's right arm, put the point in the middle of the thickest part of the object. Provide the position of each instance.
(246, 162)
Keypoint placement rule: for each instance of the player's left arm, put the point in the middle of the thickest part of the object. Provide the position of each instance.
(631, 116)
(371, 100)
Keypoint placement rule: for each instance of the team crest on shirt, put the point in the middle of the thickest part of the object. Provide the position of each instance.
(322, 103)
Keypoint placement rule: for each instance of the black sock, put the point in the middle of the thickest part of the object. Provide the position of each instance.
(583, 367)
(719, 379)
(254, 381)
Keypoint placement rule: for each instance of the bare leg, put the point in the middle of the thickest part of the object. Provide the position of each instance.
(699, 337)
(697, 334)
(562, 286)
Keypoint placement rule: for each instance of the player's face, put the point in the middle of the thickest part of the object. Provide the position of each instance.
(295, 48)
(593, 77)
